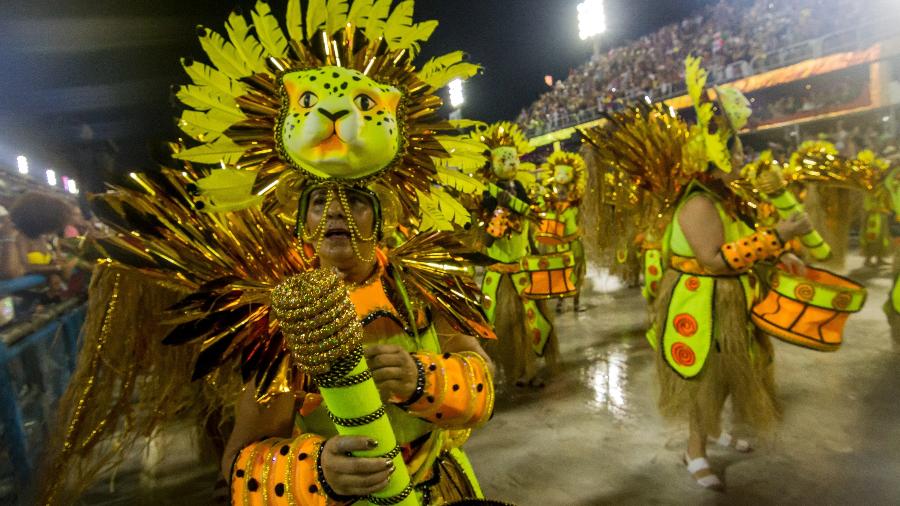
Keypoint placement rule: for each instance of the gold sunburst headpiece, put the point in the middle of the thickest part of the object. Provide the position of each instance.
(507, 143)
(336, 97)
(564, 168)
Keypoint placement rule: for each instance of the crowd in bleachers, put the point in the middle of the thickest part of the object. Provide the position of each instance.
(729, 36)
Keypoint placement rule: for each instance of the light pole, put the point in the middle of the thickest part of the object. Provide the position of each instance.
(592, 22)
(457, 99)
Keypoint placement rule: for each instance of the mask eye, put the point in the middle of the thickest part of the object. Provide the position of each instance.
(308, 99)
(364, 102)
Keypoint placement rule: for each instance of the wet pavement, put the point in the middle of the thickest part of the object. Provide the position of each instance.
(593, 435)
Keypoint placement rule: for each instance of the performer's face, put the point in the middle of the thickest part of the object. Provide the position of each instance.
(345, 220)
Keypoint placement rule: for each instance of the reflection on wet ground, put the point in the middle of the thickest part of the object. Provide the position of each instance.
(593, 435)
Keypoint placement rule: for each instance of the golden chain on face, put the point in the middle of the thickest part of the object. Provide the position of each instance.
(318, 235)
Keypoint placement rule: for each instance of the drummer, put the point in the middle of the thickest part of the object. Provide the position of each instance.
(708, 349)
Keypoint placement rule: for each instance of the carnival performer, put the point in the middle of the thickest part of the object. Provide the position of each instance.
(320, 130)
(559, 234)
(707, 349)
(891, 184)
(508, 213)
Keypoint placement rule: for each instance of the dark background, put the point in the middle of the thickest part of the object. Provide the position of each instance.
(86, 84)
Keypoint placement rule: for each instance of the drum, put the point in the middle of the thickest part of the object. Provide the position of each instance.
(551, 233)
(549, 276)
(810, 310)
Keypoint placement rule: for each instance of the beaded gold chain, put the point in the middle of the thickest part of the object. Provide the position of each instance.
(318, 235)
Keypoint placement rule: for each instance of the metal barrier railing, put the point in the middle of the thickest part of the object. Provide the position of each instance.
(37, 358)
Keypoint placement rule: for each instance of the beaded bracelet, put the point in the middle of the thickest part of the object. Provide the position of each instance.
(323, 485)
(420, 385)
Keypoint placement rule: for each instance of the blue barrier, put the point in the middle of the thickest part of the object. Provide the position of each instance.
(11, 286)
(45, 349)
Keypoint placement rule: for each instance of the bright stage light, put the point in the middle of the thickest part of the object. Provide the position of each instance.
(71, 187)
(456, 93)
(591, 18)
(22, 163)
(51, 177)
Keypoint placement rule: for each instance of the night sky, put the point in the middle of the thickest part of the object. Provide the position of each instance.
(109, 64)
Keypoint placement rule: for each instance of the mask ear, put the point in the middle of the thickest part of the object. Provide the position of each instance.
(392, 99)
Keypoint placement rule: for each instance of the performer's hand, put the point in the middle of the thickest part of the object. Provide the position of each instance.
(393, 370)
(795, 226)
(354, 476)
(793, 264)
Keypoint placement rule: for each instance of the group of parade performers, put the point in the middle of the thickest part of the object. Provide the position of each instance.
(300, 282)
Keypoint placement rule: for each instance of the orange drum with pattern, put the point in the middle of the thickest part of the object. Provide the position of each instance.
(810, 310)
(549, 276)
(551, 233)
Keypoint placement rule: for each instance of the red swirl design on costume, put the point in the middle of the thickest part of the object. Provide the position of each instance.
(692, 283)
(682, 354)
(804, 292)
(842, 300)
(653, 270)
(685, 325)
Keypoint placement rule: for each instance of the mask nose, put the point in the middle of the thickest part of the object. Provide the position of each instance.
(333, 116)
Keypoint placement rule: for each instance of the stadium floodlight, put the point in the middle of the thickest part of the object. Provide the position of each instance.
(51, 177)
(591, 19)
(22, 163)
(457, 99)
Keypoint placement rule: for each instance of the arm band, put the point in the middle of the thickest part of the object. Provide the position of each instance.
(740, 255)
(459, 390)
(279, 471)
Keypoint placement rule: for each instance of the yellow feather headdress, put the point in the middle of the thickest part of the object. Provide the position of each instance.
(503, 134)
(574, 160)
(233, 104)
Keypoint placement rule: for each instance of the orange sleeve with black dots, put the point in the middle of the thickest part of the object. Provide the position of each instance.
(278, 471)
(459, 390)
(740, 255)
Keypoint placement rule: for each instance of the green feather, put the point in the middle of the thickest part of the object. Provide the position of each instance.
(399, 25)
(337, 15)
(316, 17)
(451, 209)
(294, 19)
(458, 181)
(433, 218)
(419, 32)
(205, 98)
(439, 71)
(220, 151)
(244, 43)
(268, 31)
(377, 18)
(223, 55)
(204, 126)
(359, 12)
(204, 75)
